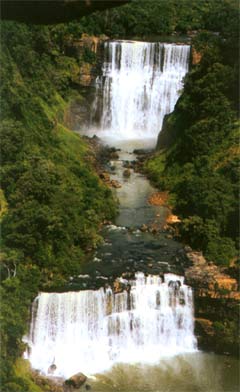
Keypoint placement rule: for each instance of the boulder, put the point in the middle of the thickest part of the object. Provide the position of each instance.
(126, 173)
(115, 184)
(105, 176)
(76, 381)
(158, 199)
(52, 368)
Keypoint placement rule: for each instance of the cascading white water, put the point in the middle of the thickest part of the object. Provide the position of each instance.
(141, 83)
(89, 331)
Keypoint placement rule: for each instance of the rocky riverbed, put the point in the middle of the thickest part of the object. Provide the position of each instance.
(142, 239)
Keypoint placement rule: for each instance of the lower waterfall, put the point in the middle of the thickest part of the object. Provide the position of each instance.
(89, 331)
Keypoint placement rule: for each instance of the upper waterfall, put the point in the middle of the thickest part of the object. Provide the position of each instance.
(141, 82)
(91, 330)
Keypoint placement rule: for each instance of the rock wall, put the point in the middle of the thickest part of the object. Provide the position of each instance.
(89, 51)
(196, 56)
(167, 136)
(217, 300)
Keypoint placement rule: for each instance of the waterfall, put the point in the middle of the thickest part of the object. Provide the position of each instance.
(89, 331)
(141, 83)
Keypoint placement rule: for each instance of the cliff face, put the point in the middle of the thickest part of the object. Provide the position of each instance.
(217, 299)
(89, 51)
(196, 56)
(167, 136)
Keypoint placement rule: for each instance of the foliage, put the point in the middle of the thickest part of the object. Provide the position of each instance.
(142, 18)
(201, 167)
(227, 333)
(52, 200)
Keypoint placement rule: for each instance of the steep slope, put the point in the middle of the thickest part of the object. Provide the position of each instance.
(199, 162)
(53, 200)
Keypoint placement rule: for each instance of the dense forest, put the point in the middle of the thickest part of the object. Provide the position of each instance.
(141, 18)
(52, 201)
(200, 162)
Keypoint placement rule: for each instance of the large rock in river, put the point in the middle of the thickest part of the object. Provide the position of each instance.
(74, 382)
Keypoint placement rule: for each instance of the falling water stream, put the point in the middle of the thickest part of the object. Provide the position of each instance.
(140, 338)
(96, 329)
(140, 84)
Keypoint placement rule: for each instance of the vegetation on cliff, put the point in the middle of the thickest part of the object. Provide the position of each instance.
(52, 201)
(200, 165)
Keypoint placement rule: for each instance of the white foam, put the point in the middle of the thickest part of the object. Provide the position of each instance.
(141, 83)
(90, 331)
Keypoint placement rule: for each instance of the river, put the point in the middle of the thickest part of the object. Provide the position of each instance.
(128, 320)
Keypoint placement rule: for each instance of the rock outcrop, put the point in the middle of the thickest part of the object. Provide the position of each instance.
(88, 50)
(217, 299)
(196, 56)
(208, 279)
(74, 382)
(167, 135)
(158, 199)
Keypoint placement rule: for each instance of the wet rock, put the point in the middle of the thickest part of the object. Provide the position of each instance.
(115, 184)
(141, 151)
(144, 228)
(107, 222)
(128, 165)
(204, 326)
(187, 249)
(158, 198)
(126, 173)
(216, 298)
(114, 155)
(76, 381)
(153, 245)
(105, 176)
(52, 368)
(127, 275)
(154, 230)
